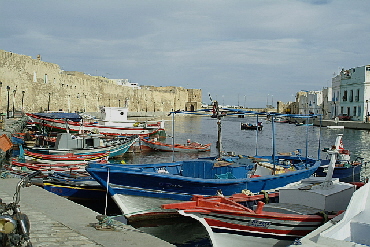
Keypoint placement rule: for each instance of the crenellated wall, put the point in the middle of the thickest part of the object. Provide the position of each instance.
(45, 86)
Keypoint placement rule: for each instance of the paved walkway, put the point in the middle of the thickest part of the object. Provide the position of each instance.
(56, 221)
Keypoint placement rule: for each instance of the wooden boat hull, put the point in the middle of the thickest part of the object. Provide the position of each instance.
(74, 187)
(66, 158)
(116, 149)
(76, 127)
(160, 146)
(345, 174)
(181, 180)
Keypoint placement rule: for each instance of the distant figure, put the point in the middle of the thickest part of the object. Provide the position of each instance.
(29, 135)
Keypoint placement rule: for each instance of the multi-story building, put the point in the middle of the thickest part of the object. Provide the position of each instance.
(353, 95)
(309, 102)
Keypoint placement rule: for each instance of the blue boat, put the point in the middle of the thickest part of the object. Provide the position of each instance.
(88, 144)
(345, 169)
(142, 189)
(74, 187)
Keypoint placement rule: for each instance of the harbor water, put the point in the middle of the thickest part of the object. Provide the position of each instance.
(310, 140)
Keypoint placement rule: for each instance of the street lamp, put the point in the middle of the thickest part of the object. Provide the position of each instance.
(49, 102)
(1, 85)
(7, 107)
(367, 111)
(22, 100)
(14, 92)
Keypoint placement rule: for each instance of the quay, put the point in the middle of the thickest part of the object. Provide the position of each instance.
(56, 221)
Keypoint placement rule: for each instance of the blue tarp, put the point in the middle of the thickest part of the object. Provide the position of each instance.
(61, 115)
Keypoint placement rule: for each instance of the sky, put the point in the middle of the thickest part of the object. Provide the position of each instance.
(241, 52)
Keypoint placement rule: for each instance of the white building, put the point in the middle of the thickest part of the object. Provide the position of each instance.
(353, 95)
(126, 83)
(310, 102)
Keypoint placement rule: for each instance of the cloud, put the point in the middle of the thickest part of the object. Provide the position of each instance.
(252, 48)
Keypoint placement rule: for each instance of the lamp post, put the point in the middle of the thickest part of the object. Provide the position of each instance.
(14, 92)
(22, 100)
(49, 102)
(367, 111)
(1, 85)
(7, 107)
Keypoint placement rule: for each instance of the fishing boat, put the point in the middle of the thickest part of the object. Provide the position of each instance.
(249, 126)
(345, 169)
(79, 186)
(304, 124)
(86, 144)
(189, 147)
(132, 185)
(348, 229)
(68, 158)
(114, 122)
(129, 184)
(300, 210)
(49, 168)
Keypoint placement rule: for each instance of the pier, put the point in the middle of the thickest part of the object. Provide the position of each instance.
(56, 221)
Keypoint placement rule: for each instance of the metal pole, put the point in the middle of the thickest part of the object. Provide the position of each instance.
(318, 151)
(273, 144)
(49, 102)
(7, 107)
(306, 141)
(257, 138)
(173, 136)
(22, 100)
(14, 92)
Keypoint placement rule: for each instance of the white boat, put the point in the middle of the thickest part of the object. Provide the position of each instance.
(335, 127)
(114, 122)
(350, 229)
(275, 224)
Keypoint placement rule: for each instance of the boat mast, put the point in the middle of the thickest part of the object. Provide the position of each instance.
(173, 136)
(216, 114)
(273, 144)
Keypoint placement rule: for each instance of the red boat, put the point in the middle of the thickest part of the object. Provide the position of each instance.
(227, 218)
(68, 158)
(59, 167)
(188, 148)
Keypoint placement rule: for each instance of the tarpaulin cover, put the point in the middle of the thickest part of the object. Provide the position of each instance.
(61, 115)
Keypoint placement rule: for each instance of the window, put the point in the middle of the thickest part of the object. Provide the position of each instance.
(348, 111)
(345, 95)
(359, 111)
(354, 111)
(357, 97)
(351, 96)
(367, 68)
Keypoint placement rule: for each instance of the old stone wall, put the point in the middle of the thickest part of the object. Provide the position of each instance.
(38, 86)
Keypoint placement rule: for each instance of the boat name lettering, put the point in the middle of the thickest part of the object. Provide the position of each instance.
(258, 223)
(170, 185)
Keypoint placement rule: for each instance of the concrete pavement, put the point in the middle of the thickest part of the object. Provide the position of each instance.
(56, 221)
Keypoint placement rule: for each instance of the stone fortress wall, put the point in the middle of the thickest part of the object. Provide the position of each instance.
(40, 86)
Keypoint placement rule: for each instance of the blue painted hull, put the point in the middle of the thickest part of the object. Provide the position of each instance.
(77, 193)
(74, 187)
(187, 178)
(345, 174)
(116, 150)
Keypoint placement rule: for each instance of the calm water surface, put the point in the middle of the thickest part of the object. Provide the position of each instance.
(288, 138)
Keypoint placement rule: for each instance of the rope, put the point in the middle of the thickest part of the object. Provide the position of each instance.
(323, 215)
